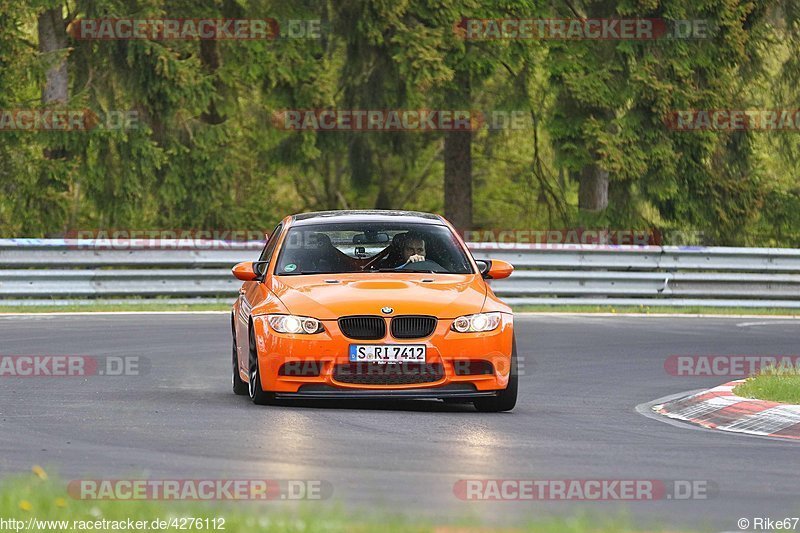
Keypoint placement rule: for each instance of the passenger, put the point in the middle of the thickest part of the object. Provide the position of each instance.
(328, 258)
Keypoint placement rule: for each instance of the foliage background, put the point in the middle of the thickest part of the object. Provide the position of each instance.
(205, 154)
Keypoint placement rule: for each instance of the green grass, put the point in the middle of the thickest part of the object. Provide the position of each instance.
(22, 498)
(777, 385)
(160, 305)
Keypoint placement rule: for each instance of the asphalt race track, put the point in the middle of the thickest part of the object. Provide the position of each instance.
(576, 419)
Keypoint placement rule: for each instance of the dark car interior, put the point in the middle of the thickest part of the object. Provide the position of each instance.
(315, 252)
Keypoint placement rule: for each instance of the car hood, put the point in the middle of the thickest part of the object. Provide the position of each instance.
(328, 297)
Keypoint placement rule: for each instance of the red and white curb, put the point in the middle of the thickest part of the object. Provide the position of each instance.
(719, 408)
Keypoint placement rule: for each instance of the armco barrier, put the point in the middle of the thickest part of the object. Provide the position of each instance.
(57, 271)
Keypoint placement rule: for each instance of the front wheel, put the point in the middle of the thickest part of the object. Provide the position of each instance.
(506, 399)
(257, 392)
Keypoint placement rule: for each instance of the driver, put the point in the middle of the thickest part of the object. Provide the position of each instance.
(413, 248)
(406, 248)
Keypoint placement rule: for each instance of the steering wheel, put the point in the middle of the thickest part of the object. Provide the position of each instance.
(422, 265)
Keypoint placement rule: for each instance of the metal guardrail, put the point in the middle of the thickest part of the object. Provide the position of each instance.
(57, 271)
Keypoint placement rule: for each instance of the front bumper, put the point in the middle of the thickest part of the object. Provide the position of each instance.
(330, 348)
(323, 392)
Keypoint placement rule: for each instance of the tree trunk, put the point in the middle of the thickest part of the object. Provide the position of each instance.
(210, 58)
(593, 188)
(458, 159)
(383, 201)
(53, 37)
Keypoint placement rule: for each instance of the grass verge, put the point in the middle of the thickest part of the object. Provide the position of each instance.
(36, 498)
(777, 385)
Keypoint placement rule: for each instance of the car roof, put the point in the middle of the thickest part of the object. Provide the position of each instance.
(366, 215)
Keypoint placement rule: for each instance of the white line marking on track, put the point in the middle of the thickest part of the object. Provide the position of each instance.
(749, 324)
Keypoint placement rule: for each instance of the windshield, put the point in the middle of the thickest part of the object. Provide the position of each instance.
(370, 247)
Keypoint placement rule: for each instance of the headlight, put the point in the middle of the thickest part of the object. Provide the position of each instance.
(294, 324)
(478, 322)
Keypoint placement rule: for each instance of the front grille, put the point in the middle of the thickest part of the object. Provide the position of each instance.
(413, 327)
(363, 327)
(389, 374)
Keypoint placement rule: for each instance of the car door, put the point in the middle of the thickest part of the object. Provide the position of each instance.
(247, 294)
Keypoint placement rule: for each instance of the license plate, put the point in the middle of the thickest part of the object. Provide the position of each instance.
(387, 353)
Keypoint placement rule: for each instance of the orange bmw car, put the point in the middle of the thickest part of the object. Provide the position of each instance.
(372, 305)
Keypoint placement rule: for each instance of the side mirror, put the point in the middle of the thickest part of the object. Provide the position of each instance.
(494, 268)
(249, 270)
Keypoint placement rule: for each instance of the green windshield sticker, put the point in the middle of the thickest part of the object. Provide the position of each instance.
(291, 267)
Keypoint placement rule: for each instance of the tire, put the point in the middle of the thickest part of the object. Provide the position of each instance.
(239, 387)
(506, 399)
(254, 388)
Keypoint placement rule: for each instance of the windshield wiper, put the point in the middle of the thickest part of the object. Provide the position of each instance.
(304, 272)
(423, 271)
